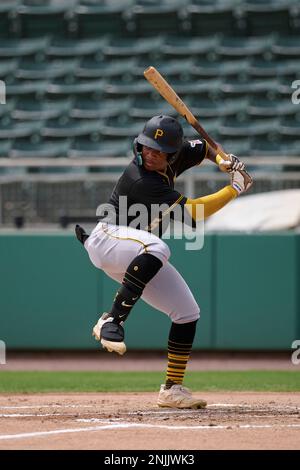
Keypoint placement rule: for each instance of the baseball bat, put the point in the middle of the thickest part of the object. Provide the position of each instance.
(168, 93)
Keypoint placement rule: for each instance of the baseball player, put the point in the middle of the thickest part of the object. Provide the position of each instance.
(138, 259)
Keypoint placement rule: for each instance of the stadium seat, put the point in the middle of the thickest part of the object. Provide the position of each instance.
(66, 87)
(210, 125)
(241, 47)
(61, 48)
(116, 89)
(120, 69)
(28, 89)
(206, 69)
(115, 128)
(8, 23)
(203, 107)
(267, 16)
(96, 18)
(47, 15)
(85, 148)
(205, 17)
(31, 70)
(265, 148)
(289, 127)
(34, 48)
(184, 47)
(7, 69)
(97, 109)
(146, 18)
(170, 69)
(11, 129)
(239, 147)
(120, 47)
(286, 47)
(71, 127)
(235, 128)
(5, 148)
(30, 110)
(235, 88)
(24, 148)
(263, 108)
(143, 108)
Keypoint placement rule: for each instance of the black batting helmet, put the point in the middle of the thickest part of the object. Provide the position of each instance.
(162, 133)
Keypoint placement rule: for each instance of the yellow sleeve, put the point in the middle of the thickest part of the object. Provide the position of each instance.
(212, 203)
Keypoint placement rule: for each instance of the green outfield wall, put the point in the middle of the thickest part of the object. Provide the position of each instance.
(246, 285)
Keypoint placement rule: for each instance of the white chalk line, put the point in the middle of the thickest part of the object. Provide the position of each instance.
(143, 426)
(52, 405)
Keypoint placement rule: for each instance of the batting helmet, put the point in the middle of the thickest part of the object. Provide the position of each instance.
(162, 133)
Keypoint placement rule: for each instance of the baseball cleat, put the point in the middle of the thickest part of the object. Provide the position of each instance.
(178, 397)
(110, 334)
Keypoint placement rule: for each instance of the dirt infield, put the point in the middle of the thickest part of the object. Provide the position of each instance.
(132, 421)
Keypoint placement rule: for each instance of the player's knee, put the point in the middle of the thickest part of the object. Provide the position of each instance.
(160, 249)
(190, 315)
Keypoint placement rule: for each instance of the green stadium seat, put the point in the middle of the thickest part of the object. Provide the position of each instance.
(85, 148)
(184, 47)
(97, 109)
(8, 24)
(205, 17)
(121, 128)
(116, 89)
(66, 87)
(241, 47)
(24, 148)
(11, 129)
(28, 110)
(235, 128)
(263, 108)
(239, 147)
(203, 107)
(289, 127)
(143, 108)
(61, 48)
(267, 16)
(290, 68)
(7, 108)
(70, 127)
(96, 18)
(261, 69)
(205, 69)
(265, 148)
(31, 70)
(122, 47)
(235, 88)
(35, 89)
(47, 15)
(121, 69)
(35, 48)
(151, 18)
(170, 69)
(210, 125)
(7, 69)
(286, 47)
(5, 146)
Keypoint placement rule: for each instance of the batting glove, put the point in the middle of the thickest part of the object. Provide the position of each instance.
(234, 164)
(241, 181)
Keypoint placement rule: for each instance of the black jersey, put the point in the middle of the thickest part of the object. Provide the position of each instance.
(143, 198)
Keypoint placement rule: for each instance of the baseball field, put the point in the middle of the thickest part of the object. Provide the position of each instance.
(116, 410)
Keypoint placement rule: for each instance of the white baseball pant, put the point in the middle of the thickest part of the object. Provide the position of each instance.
(111, 248)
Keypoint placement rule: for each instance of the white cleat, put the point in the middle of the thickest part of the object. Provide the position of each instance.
(111, 346)
(178, 397)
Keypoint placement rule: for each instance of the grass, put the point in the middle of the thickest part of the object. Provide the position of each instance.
(44, 381)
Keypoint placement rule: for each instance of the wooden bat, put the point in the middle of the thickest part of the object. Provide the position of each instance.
(167, 92)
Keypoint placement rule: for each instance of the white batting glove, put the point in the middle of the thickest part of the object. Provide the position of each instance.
(241, 181)
(234, 164)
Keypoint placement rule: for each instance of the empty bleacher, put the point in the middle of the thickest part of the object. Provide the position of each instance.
(73, 71)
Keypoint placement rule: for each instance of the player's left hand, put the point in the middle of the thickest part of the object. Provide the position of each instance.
(234, 164)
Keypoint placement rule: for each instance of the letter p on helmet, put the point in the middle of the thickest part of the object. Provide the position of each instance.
(158, 133)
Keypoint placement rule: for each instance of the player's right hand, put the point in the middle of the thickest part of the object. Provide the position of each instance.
(241, 181)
